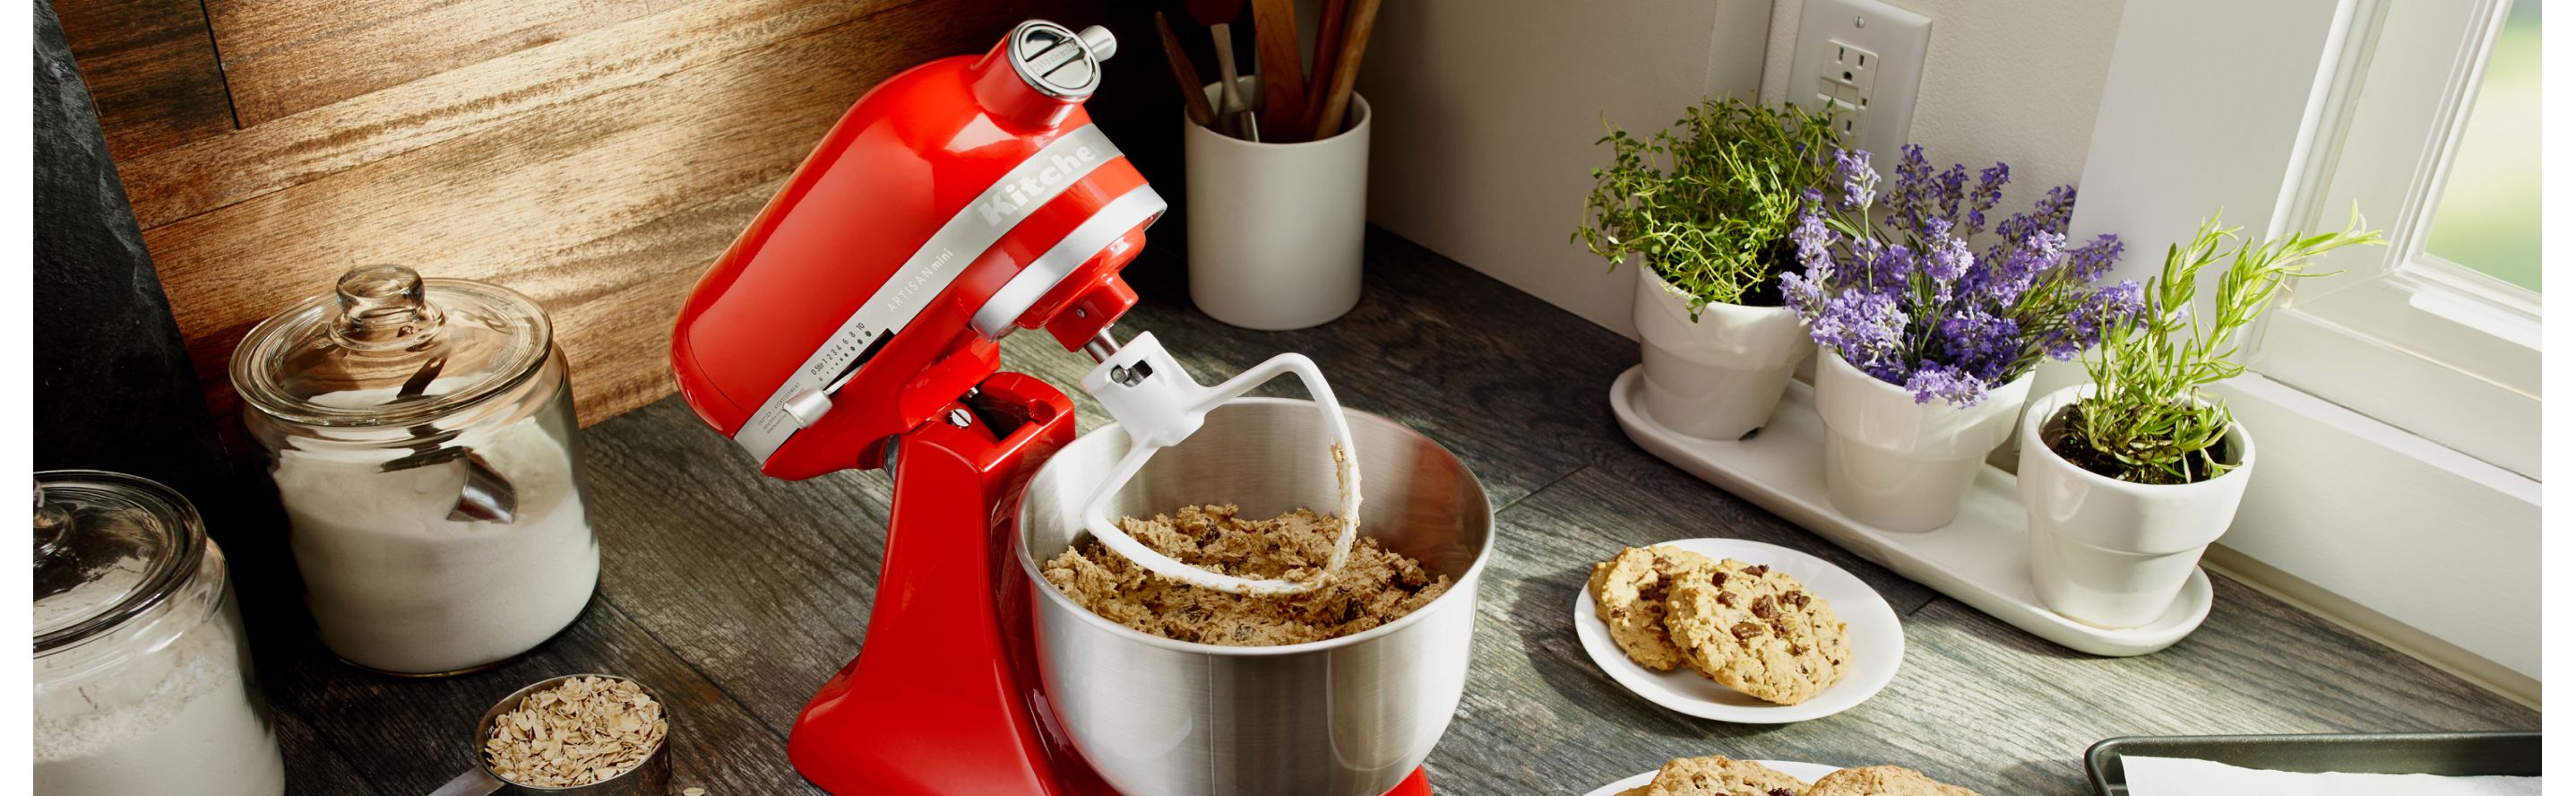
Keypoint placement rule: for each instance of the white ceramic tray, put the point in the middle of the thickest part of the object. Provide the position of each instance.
(1982, 559)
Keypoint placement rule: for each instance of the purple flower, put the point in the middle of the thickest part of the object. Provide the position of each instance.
(1946, 263)
(1814, 244)
(2106, 306)
(1953, 187)
(1864, 327)
(1981, 344)
(2020, 267)
(1990, 190)
(1900, 292)
(1931, 380)
(1889, 267)
(1805, 296)
(1860, 184)
(2092, 261)
(1913, 188)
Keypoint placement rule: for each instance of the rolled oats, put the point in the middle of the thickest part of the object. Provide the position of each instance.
(580, 732)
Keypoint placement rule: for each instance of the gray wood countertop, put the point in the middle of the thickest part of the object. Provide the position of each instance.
(737, 595)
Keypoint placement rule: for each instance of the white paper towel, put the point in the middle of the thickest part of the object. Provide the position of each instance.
(2172, 776)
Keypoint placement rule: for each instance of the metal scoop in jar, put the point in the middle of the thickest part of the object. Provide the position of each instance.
(1159, 405)
(487, 495)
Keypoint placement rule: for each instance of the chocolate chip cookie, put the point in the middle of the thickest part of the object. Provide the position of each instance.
(1883, 781)
(1721, 776)
(1757, 631)
(1628, 593)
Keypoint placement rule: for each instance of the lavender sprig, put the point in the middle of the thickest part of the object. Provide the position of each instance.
(1900, 293)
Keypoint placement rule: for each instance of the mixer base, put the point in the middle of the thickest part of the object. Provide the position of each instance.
(1416, 785)
(941, 699)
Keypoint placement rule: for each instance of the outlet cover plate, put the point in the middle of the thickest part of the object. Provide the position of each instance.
(1882, 48)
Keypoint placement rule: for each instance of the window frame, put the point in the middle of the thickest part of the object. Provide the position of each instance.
(2224, 103)
(2397, 333)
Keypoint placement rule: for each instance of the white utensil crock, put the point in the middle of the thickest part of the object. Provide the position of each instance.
(1276, 230)
(1718, 377)
(2109, 552)
(1897, 465)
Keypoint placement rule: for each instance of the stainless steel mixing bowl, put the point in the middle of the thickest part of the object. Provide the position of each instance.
(1347, 717)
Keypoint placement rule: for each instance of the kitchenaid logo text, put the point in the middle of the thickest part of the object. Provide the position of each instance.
(1043, 183)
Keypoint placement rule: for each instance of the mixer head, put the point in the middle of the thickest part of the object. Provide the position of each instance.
(955, 202)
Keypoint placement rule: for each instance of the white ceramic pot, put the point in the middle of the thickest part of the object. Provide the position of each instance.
(1897, 465)
(2109, 552)
(1276, 230)
(1718, 377)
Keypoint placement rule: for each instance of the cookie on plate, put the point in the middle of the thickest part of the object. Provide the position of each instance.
(1883, 781)
(1757, 631)
(1628, 594)
(1716, 775)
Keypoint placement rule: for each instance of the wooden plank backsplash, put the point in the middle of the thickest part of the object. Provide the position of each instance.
(151, 72)
(594, 154)
(283, 57)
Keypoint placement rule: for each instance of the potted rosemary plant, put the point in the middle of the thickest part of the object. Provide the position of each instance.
(1929, 345)
(2127, 479)
(1705, 209)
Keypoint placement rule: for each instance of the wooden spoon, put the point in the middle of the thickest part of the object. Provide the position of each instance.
(1329, 22)
(1337, 97)
(1193, 90)
(1283, 77)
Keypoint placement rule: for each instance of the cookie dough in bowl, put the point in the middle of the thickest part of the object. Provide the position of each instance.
(1374, 587)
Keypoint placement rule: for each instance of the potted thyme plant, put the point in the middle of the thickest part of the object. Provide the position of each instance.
(1929, 344)
(1706, 209)
(2127, 479)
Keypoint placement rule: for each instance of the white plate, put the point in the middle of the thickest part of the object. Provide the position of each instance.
(1807, 773)
(1877, 642)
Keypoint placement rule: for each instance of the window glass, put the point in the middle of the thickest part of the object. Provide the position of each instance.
(2489, 217)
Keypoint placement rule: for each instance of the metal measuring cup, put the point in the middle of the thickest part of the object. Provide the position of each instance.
(653, 776)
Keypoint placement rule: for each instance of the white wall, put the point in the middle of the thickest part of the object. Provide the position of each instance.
(2010, 80)
(1487, 111)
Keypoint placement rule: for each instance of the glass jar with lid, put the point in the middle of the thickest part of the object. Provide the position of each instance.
(142, 669)
(422, 439)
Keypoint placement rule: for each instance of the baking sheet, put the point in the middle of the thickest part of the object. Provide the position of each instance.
(2443, 753)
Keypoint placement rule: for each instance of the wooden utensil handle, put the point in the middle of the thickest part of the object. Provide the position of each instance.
(1283, 78)
(1337, 97)
(1330, 23)
(1193, 90)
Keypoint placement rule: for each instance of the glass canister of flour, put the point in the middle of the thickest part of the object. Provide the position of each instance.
(421, 435)
(142, 670)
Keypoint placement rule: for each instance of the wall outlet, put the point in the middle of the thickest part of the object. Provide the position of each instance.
(1844, 84)
(1862, 61)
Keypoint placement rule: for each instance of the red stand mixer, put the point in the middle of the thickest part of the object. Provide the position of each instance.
(855, 325)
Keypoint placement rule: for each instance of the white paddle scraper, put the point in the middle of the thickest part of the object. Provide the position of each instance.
(1159, 405)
